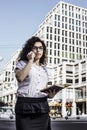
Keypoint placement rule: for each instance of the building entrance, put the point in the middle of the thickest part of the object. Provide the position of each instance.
(81, 108)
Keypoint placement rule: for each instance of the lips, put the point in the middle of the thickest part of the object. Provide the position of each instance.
(38, 54)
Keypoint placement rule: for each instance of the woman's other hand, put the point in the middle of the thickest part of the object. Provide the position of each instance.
(51, 93)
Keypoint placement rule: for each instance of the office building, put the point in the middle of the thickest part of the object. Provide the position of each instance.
(64, 31)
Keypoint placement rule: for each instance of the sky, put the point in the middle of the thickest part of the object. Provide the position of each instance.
(20, 19)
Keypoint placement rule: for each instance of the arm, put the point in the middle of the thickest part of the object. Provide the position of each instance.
(22, 74)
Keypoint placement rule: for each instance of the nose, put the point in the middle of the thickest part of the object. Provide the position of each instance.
(38, 48)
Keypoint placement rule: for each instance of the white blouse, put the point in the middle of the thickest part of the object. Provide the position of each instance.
(34, 82)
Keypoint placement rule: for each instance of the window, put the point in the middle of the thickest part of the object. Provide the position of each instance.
(58, 46)
(54, 60)
(50, 36)
(76, 80)
(69, 72)
(62, 39)
(84, 65)
(50, 52)
(58, 24)
(66, 47)
(63, 47)
(65, 33)
(55, 31)
(50, 44)
(50, 29)
(65, 26)
(50, 60)
(58, 38)
(83, 79)
(54, 52)
(55, 17)
(76, 68)
(65, 40)
(47, 36)
(58, 31)
(58, 17)
(55, 45)
(47, 29)
(69, 81)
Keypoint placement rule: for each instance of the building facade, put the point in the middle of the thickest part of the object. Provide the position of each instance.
(64, 31)
(8, 83)
(73, 76)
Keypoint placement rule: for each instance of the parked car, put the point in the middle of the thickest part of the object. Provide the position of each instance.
(7, 112)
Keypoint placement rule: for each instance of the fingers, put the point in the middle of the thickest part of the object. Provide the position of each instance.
(30, 55)
(51, 93)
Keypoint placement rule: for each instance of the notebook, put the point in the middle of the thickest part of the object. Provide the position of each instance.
(56, 87)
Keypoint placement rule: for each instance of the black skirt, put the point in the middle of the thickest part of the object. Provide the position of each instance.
(32, 114)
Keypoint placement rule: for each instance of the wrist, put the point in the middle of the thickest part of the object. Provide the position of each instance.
(30, 62)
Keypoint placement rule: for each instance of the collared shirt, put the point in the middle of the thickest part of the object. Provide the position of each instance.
(35, 81)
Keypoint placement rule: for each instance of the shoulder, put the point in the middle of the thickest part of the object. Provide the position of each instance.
(21, 64)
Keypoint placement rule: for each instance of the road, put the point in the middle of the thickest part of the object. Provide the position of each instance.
(56, 124)
(69, 124)
(7, 124)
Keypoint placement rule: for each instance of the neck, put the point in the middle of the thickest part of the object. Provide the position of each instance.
(37, 63)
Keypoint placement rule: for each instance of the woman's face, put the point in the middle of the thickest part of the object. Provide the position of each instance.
(38, 50)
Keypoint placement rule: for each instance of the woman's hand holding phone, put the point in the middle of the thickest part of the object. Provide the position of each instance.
(31, 56)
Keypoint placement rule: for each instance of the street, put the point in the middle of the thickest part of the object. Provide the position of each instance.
(69, 124)
(7, 124)
(56, 124)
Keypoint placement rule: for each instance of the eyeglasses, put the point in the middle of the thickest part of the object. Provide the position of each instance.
(37, 47)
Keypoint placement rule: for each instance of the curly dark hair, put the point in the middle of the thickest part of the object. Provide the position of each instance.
(28, 47)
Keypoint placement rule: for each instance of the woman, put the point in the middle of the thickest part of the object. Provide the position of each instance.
(32, 110)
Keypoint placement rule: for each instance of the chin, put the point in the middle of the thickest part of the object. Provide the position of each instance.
(37, 58)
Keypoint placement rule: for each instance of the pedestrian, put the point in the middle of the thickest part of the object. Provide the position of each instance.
(32, 109)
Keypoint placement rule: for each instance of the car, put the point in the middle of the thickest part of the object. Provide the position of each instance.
(7, 112)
